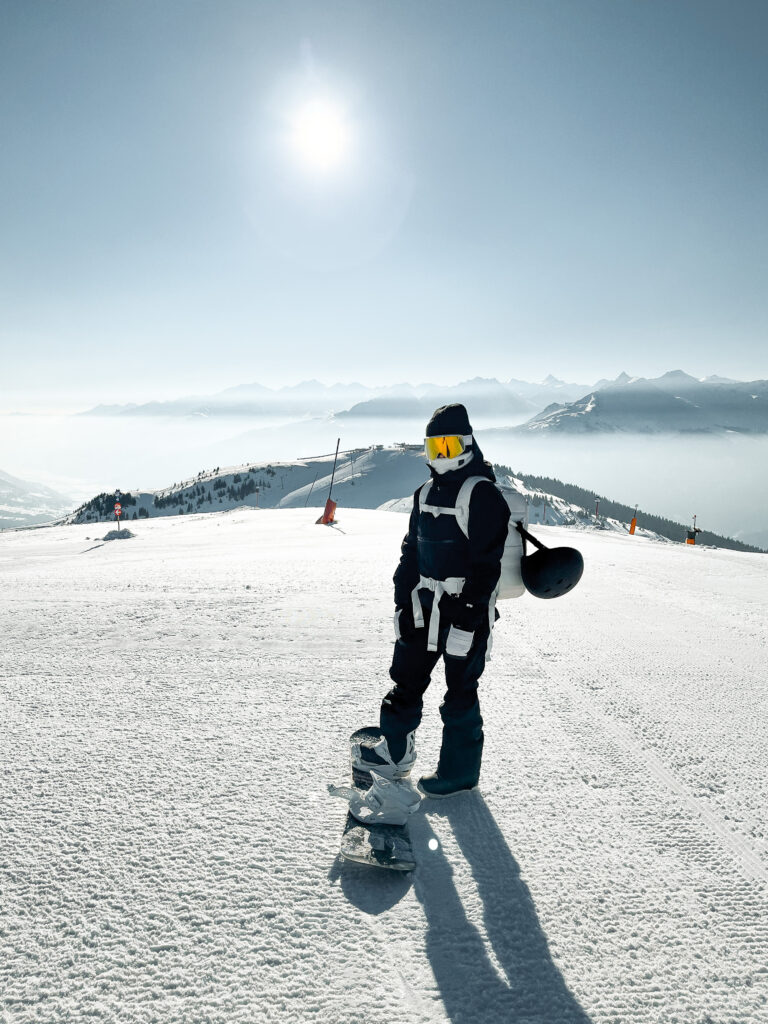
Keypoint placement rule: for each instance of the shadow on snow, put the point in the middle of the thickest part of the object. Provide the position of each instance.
(372, 890)
(530, 987)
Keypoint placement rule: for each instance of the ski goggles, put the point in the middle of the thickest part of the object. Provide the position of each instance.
(446, 447)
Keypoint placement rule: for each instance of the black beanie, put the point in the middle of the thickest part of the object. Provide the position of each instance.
(449, 419)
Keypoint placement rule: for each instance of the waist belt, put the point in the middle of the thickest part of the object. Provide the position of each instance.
(453, 586)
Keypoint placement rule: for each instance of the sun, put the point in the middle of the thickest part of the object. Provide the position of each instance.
(321, 135)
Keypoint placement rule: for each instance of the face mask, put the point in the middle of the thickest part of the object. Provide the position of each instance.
(443, 465)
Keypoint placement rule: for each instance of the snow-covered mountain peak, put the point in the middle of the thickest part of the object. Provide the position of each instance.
(715, 379)
(623, 378)
(674, 402)
(678, 377)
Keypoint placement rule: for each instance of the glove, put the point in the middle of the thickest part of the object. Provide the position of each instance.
(405, 627)
(464, 616)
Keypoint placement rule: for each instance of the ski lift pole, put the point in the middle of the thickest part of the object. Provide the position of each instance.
(691, 538)
(330, 506)
(306, 500)
(333, 471)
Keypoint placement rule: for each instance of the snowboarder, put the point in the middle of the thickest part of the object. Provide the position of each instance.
(445, 586)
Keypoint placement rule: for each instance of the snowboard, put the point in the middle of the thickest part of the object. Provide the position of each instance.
(381, 846)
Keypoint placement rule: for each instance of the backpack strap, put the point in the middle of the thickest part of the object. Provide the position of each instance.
(463, 499)
(423, 492)
(433, 510)
(460, 509)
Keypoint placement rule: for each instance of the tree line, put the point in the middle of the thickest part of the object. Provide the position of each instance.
(624, 513)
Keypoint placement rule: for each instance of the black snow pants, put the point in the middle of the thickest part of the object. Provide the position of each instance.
(461, 750)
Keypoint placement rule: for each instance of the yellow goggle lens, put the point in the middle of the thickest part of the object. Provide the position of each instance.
(444, 447)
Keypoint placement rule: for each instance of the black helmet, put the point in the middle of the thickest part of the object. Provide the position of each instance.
(550, 572)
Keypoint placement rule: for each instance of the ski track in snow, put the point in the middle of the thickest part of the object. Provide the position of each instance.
(174, 704)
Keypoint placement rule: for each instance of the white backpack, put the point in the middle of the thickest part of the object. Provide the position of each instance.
(511, 580)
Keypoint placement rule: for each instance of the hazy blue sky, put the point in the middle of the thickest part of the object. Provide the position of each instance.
(490, 188)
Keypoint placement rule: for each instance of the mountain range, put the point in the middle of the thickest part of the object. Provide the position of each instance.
(672, 403)
(509, 402)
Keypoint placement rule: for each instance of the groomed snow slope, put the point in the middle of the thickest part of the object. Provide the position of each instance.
(174, 704)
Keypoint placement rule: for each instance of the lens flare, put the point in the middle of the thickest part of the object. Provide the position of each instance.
(321, 135)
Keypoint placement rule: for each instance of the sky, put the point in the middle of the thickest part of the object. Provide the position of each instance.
(195, 195)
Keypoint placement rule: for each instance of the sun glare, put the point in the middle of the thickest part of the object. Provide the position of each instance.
(320, 135)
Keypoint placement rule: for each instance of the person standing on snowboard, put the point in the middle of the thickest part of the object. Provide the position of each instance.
(445, 586)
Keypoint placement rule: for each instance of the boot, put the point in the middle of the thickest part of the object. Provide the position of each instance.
(461, 754)
(435, 785)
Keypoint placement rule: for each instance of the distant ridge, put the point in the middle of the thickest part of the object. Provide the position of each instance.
(484, 397)
(377, 477)
(514, 400)
(672, 403)
(585, 499)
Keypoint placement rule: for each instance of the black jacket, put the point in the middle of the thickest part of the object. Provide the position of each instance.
(479, 558)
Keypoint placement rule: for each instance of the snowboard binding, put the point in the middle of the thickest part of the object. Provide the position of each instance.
(370, 752)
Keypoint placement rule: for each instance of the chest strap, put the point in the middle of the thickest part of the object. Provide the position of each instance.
(460, 510)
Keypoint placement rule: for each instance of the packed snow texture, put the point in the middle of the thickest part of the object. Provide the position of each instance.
(172, 711)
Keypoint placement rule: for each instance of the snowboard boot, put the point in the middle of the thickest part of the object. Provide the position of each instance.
(461, 754)
(436, 786)
(377, 757)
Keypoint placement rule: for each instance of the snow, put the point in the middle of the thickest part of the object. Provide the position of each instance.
(364, 478)
(173, 709)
